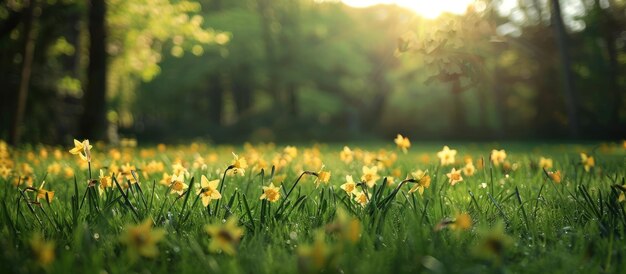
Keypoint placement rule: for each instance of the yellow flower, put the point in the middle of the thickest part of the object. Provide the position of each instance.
(68, 172)
(446, 156)
(402, 143)
(587, 161)
(463, 221)
(178, 185)
(82, 149)
(555, 176)
(323, 177)
(209, 190)
(152, 167)
(545, 163)
(127, 171)
(44, 194)
(225, 237)
(42, 249)
(349, 187)
(270, 193)
(142, 240)
(454, 176)
(346, 155)
(370, 176)
(179, 169)
(469, 169)
(105, 181)
(362, 198)
(498, 156)
(423, 181)
(5, 172)
(54, 168)
(291, 151)
(166, 180)
(239, 165)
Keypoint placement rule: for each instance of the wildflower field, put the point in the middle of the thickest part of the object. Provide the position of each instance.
(268, 208)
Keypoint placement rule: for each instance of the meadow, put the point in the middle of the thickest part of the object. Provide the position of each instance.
(356, 208)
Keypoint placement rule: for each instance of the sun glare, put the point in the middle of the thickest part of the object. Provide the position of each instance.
(427, 8)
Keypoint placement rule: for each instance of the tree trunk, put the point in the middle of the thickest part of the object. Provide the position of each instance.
(264, 10)
(459, 121)
(29, 50)
(93, 121)
(566, 73)
(242, 89)
(217, 98)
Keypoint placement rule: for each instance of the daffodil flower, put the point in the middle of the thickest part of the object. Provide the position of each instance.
(82, 149)
(270, 193)
(209, 190)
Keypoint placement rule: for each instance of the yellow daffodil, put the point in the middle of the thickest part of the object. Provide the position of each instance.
(239, 165)
(349, 186)
(198, 163)
(587, 161)
(402, 143)
(225, 237)
(127, 170)
(370, 176)
(178, 185)
(179, 170)
(270, 193)
(291, 151)
(362, 198)
(105, 181)
(545, 163)
(498, 156)
(346, 155)
(555, 176)
(82, 149)
(423, 181)
(463, 221)
(209, 190)
(44, 194)
(469, 169)
(446, 156)
(454, 176)
(5, 172)
(142, 240)
(166, 180)
(322, 177)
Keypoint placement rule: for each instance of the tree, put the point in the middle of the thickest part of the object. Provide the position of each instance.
(93, 121)
(30, 13)
(569, 93)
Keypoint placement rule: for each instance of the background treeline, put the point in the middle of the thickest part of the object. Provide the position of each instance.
(288, 70)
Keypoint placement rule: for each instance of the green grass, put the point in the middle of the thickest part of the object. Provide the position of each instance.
(521, 222)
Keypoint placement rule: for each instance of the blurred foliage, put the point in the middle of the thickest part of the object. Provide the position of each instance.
(298, 70)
